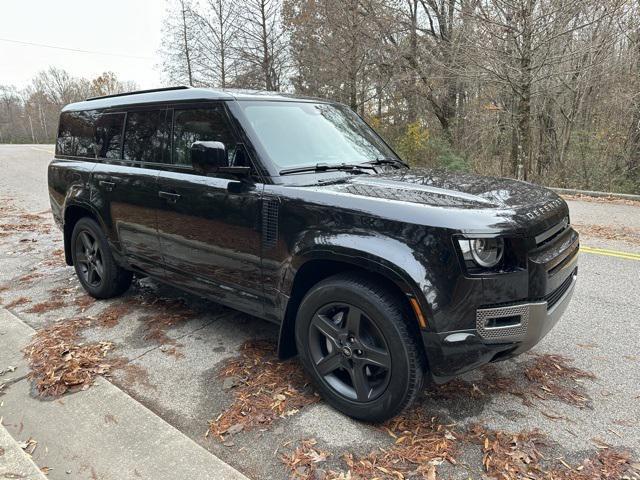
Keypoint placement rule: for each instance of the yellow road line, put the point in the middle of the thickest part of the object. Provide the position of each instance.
(610, 253)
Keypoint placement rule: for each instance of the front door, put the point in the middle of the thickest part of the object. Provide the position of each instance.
(209, 226)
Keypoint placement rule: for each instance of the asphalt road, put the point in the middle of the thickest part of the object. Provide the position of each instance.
(177, 376)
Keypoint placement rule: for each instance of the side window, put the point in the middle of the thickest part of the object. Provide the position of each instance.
(202, 124)
(145, 137)
(76, 136)
(109, 135)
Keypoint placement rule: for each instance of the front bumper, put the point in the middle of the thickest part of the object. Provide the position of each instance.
(501, 332)
(525, 323)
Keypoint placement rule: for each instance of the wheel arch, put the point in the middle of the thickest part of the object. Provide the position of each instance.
(315, 266)
(73, 213)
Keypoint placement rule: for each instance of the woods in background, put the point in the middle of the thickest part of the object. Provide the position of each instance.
(543, 90)
(31, 115)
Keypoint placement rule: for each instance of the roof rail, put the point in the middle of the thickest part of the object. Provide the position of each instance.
(180, 87)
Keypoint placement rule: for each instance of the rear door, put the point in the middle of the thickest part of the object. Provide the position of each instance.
(209, 226)
(126, 186)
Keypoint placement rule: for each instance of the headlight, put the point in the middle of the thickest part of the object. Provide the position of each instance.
(483, 252)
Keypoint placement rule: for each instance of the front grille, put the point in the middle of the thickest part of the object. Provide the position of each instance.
(556, 295)
(553, 232)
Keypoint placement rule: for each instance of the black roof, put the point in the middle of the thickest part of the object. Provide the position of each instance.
(181, 93)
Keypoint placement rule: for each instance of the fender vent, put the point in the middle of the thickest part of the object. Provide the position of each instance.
(270, 209)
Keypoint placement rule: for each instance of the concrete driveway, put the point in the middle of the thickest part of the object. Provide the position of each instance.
(171, 354)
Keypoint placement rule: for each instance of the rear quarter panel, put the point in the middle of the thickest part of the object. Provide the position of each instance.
(69, 184)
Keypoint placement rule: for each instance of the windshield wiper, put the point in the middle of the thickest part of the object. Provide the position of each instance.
(387, 161)
(323, 167)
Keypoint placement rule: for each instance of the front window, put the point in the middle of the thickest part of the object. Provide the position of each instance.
(199, 124)
(305, 134)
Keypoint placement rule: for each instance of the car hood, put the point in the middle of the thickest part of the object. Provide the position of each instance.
(482, 202)
(453, 189)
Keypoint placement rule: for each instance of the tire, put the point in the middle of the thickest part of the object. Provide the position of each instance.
(359, 345)
(93, 261)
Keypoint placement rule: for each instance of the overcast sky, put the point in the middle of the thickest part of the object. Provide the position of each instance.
(127, 30)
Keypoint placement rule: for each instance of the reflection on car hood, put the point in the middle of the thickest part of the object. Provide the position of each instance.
(447, 189)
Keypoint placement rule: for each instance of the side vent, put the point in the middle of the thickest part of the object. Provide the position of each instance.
(270, 211)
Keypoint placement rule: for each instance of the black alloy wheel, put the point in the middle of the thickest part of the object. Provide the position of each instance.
(88, 256)
(349, 352)
(93, 261)
(361, 346)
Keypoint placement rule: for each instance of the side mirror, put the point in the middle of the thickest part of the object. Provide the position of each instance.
(212, 157)
(208, 157)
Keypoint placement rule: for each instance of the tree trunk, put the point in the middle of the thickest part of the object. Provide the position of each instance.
(266, 61)
(185, 38)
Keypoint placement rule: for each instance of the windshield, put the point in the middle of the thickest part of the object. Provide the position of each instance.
(306, 134)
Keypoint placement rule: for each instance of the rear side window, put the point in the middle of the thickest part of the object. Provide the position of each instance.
(145, 137)
(109, 135)
(90, 134)
(76, 135)
(199, 124)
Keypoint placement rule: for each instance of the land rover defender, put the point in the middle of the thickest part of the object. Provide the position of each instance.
(380, 276)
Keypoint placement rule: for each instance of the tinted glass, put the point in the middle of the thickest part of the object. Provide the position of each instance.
(145, 137)
(199, 125)
(301, 134)
(76, 135)
(109, 135)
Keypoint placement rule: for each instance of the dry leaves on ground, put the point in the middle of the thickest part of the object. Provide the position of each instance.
(46, 306)
(132, 373)
(509, 455)
(544, 377)
(165, 313)
(17, 302)
(265, 388)
(110, 316)
(424, 445)
(614, 200)
(420, 444)
(552, 377)
(304, 462)
(29, 277)
(609, 232)
(19, 222)
(606, 464)
(518, 456)
(59, 361)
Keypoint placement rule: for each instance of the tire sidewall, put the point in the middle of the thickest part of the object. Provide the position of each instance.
(110, 268)
(378, 312)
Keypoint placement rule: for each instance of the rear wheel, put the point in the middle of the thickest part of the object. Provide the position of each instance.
(355, 340)
(93, 261)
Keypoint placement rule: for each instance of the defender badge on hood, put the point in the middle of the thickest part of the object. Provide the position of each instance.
(547, 207)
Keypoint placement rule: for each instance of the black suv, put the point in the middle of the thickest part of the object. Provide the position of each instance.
(294, 210)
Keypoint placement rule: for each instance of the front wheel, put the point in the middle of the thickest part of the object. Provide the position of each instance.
(95, 266)
(356, 341)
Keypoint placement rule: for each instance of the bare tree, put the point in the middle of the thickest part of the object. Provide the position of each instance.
(261, 49)
(179, 41)
(31, 114)
(216, 40)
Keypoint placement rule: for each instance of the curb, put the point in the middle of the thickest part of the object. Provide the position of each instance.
(591, 193)
(14, 461)
(101, 431)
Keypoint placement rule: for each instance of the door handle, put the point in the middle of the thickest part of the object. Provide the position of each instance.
(108, 186)
(169, 197)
